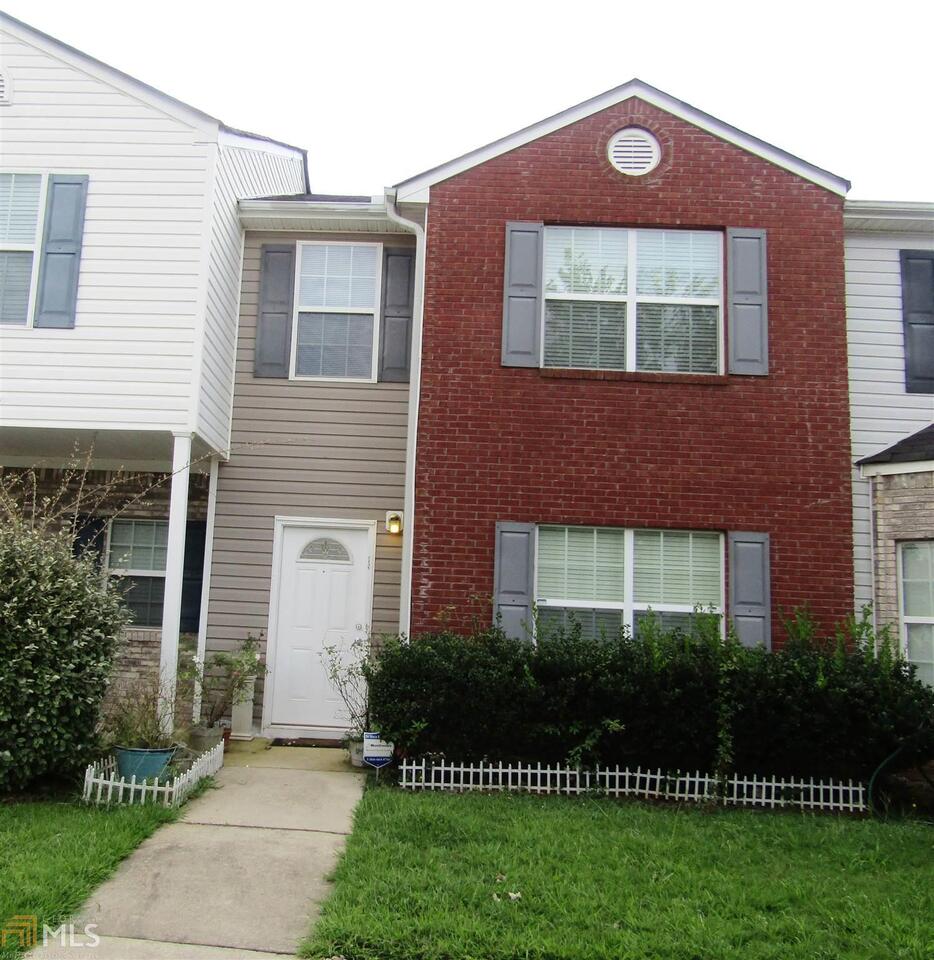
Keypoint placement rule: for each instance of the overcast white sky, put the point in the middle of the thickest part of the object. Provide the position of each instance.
(380, 91)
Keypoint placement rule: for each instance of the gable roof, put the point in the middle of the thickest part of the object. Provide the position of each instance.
(144, 91)
(416, 188)
(919, 446)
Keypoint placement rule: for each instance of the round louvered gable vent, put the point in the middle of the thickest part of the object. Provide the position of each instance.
(634, 152)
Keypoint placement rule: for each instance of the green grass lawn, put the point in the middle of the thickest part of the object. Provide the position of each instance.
(55, 854)
(428, 877)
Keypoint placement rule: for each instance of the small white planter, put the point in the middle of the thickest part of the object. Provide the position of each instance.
(355, 749)
(241, 714)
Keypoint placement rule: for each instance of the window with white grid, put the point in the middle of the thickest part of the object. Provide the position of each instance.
(916, 562)
(608, 577)
(638, 300)
(20, 205)
(136, 552)
(337, 309)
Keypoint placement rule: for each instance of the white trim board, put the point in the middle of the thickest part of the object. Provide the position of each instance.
(416, 189)
(269, 729)
(893, 469)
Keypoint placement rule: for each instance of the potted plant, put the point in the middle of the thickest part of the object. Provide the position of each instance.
(224, 682)
(345, 670)
(133, 724)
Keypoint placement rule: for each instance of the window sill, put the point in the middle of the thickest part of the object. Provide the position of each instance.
(706, 379)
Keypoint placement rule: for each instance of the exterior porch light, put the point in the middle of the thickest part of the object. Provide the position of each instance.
(394, 521)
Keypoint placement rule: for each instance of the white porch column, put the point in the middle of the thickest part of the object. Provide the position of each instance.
(206, 581)
(174, 567)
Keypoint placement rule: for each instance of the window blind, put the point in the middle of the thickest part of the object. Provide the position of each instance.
(15, 279)
(677, 338)
(581, 563)
(19, 207)
(674, 567)
(585, 335)
(585, 260)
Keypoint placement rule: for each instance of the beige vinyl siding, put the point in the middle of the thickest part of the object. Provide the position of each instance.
(882, 413)
(240, 173)
(301, 449)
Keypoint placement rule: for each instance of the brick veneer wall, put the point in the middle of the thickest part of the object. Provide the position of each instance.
(746, 453)
(903, 509)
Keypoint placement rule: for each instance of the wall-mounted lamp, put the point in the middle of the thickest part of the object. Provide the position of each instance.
(393, 521)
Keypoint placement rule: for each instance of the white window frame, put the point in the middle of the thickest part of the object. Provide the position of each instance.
(903, 619)
(629, 607)
(631, 299)
(129, 571)
(110, 571)
(35, 249)
(376, 311)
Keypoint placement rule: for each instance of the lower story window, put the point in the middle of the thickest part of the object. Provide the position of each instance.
(917, 605)
(606, 578)
(136, 553)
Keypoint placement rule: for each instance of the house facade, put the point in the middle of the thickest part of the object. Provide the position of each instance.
(120, 262)
(595, 371)
(633, 394)
(890, 325)
(309, 516)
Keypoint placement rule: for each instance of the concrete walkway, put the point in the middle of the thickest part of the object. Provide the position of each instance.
(241, 875)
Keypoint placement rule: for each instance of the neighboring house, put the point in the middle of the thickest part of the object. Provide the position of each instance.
(633, 385)
(890, 319)
(120, 253)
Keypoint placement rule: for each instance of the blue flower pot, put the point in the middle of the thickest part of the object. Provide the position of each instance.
(142, 763)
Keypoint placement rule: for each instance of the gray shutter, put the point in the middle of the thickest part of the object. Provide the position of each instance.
(750, 592)
(747, 301)
(57, 294)
(522, 295)
(395, 338)
(196, 532)
(274, 323)
(514, 578)
(918, 319)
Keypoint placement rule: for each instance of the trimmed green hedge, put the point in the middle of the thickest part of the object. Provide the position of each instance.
(59, 624)
(676, 700)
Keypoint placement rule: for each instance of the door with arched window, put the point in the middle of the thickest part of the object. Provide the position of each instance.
(321, 601)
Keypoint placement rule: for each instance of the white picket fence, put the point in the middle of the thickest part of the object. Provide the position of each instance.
(756, 791)
(103, 784)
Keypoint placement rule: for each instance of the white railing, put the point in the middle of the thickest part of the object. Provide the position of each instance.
(756, 791)
(102, 783)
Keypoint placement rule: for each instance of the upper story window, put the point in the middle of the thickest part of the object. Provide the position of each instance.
(41, 234)
(20, 196)
(918, 319)
(607, 577)
(636, 300)
(916, 560)
(337, 310)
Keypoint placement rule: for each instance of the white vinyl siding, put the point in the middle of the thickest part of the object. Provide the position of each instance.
(916, 565)
(153, 344)
(643, 300)
(336, 311)
(610, 577)
(21, 196)
(882, 413)
(241, 172)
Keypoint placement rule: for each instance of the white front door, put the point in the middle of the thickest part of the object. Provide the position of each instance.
(323, 601)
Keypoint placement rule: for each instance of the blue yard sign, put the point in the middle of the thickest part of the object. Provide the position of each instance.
(376, 751)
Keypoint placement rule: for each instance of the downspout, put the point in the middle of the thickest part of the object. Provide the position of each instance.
(415, 376)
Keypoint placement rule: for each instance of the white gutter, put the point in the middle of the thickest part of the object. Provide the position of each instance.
(415, 377)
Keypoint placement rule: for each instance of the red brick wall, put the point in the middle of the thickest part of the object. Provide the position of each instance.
(744, 453)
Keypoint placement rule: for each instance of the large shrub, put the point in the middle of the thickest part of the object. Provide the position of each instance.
(59, 623)
(677, 700)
